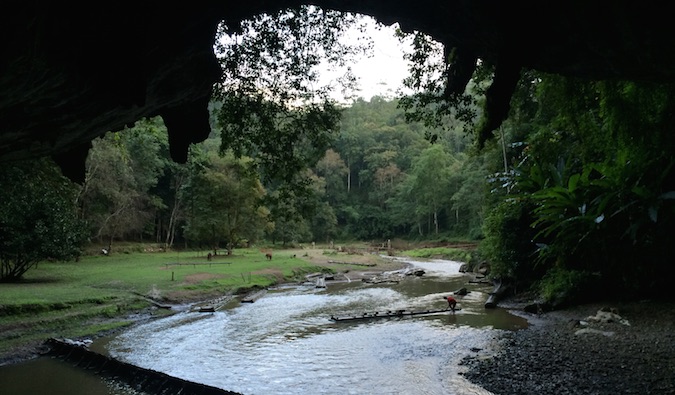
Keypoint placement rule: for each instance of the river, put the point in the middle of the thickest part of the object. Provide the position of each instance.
(286, 343)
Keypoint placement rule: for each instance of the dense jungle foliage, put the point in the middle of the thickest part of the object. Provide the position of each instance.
(572, 195)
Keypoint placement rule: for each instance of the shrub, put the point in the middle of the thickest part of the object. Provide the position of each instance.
(508, 245)
(560, 287)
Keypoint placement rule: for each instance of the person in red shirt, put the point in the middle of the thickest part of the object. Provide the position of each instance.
(452, 303)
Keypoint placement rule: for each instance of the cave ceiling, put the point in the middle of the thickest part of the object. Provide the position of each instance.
(70, 72)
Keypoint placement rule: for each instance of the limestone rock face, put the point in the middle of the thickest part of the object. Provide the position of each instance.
(71, 72)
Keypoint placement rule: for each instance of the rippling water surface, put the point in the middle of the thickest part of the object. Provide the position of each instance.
(285, 342)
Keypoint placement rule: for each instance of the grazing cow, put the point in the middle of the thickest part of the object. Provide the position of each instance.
(268, 256)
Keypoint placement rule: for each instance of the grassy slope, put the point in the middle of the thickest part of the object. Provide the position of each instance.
(96, 294)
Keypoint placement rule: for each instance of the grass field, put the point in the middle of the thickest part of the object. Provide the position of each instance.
(97, 293)
(162, 276)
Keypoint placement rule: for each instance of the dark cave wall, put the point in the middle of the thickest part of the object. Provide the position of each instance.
(70, 73)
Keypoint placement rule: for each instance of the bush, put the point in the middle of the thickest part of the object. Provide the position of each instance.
(560, 287)
(508, 245)
(38, 220)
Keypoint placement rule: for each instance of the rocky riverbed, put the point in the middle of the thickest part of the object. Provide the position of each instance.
(578, 351)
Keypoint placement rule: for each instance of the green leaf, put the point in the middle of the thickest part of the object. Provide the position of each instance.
(572, 182)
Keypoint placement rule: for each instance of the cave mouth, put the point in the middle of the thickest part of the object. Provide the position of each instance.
(70, 74)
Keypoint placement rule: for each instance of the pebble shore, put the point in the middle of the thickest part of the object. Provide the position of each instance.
(565, 353)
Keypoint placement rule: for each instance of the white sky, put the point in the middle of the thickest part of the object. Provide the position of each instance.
(383, 73)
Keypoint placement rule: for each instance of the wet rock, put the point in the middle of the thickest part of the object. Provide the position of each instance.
(483, 268)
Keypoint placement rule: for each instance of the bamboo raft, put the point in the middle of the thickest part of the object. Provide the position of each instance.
(389, 314)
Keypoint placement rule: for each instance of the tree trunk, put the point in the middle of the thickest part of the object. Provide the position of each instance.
(349, 178)
(158, 228)
(171, 229)
(506, 164)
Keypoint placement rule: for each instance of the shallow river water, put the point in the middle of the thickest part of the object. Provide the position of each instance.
(286, 343)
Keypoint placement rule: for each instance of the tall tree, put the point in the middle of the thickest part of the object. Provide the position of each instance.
(334, 171)
(122, 169)
(225, 203)
(429, 185)
(468, 202)
(290, 222)
(172, 216)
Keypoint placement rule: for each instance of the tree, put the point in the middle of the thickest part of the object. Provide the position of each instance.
(324, 223)
(429, 184)
(593, 180)
(290, 222)
(225, 203)
(468, 202)
(273, 108)
(38, 220)
(333, 170)
(122, 168)
(438, 78)
(173, 214)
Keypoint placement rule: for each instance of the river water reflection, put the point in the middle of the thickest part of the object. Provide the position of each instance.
(285, 342)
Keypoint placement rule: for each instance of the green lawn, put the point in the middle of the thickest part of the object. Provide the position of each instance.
(152, 274)
(68, 299)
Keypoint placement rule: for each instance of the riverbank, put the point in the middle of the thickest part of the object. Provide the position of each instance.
(566, 352)
(54, 304)
(556, 354)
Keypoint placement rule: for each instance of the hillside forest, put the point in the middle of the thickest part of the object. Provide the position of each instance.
(572, 196)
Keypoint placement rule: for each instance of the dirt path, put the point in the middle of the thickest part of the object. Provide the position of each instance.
(356, 263)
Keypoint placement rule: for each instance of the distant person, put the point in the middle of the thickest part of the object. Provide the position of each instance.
(452, 303)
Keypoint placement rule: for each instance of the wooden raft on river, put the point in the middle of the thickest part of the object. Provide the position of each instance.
(389, 314)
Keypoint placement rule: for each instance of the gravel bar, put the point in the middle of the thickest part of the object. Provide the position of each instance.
(564, 352)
